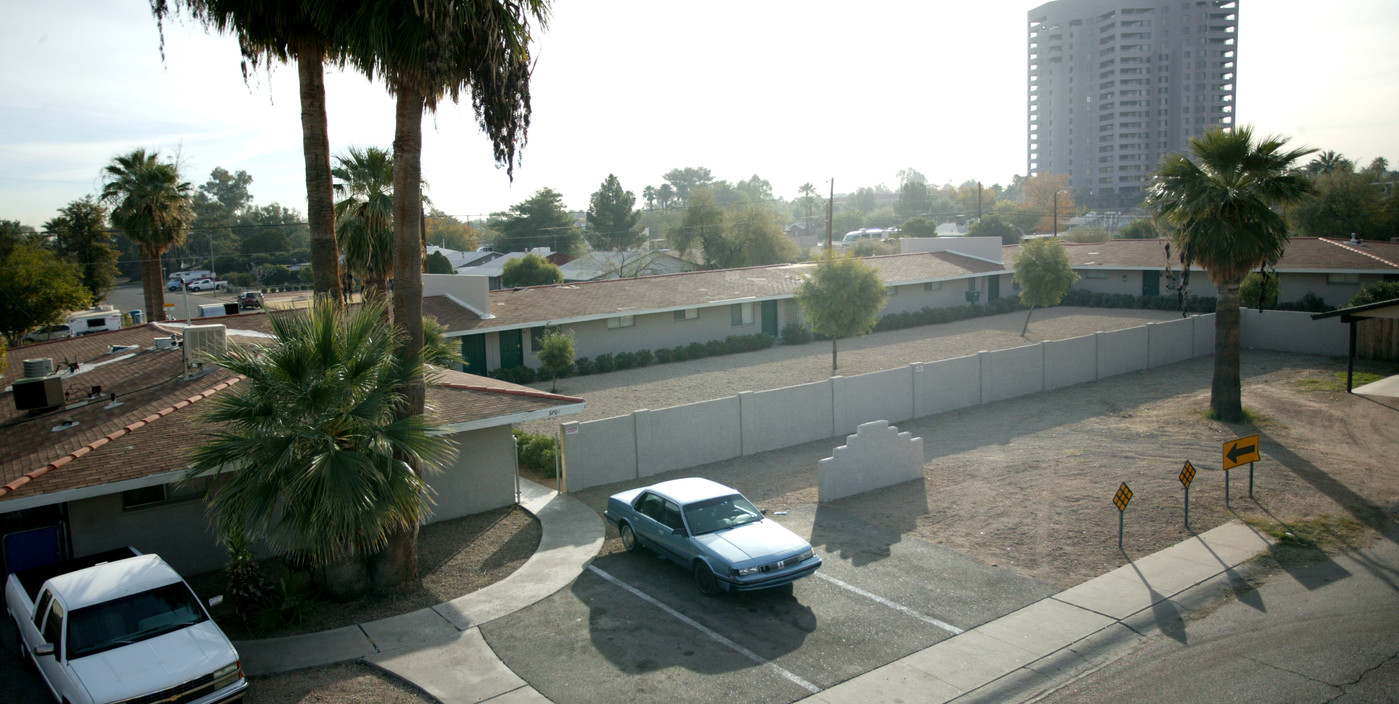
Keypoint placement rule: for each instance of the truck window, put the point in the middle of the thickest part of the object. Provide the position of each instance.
(132, 619)
(53, 627)
(41, 609)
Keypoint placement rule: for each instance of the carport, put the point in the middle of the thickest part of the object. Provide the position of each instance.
(1387, 387)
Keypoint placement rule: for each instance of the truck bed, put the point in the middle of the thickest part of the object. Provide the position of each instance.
(33, 578)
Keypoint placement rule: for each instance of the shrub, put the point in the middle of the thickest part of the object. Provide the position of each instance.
(584, 366)
(664, 355)
(714, 348)
(604, 363)
(680, 353)
(538, 452)
(625, 360)
(696, 350)
(644, 358)
(794, 334)
(1309, 303)
(514, 375)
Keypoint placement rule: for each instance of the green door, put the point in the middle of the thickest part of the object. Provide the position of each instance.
(473, 350)
(993, 288)
(770, 317)
(1151, 283)
(512, 349)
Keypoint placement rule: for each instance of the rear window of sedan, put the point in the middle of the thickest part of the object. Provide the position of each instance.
(720, 513)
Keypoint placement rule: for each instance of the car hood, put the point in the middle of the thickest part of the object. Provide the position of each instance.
(760, 542)
(155, 664)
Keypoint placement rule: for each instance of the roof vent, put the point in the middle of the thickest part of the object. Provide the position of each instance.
(165, 343)
(36, 368)
(1355, 241)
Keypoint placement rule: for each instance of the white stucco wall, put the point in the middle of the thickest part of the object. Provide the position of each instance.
(481, 478)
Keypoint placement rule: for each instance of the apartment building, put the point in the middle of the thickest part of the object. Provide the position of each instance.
(1114, 85)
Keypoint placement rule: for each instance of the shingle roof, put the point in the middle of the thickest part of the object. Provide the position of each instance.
(151, 430)
(1304, 254)
(538, 305)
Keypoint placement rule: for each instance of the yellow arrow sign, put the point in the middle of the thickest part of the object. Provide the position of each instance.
(1241, 451)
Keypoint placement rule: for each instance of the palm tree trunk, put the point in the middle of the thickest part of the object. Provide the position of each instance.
(396, 567)
(320, 201)
(833, 355)
(1225, 391)
(151, 285)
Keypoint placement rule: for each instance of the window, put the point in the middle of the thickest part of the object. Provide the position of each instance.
(741, 314)
(1343, 278)
(932, 286)
(1095, 274)
(891, 290)
(621, 321)
(536, 338)
(687, 314)
(161, 494)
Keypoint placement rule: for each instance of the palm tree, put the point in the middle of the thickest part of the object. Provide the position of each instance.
(1328, 162)
(808, 192)
(364, 215)
(427, 51)
(283, 31)
(152, 206)
(649, 193)
(1222, 206)
(317, 457)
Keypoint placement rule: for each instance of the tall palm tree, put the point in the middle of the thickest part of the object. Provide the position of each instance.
(364, 215)
(153, 207)
(1222, 206)
(323, 460)
(427, 51)
(1329, 162)
(808, 192)
(281, 31)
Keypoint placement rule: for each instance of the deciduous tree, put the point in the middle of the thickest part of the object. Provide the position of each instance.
(841, 298)
(1042, 269)
(80, 235)
(556, 354)
(530, 270)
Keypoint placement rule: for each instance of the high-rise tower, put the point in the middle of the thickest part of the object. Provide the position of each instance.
(1117, 84)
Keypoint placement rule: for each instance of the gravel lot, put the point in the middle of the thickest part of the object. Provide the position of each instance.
(665, 385)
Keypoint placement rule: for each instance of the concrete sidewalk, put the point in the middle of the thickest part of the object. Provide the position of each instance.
(440, 649)
(1021, 651)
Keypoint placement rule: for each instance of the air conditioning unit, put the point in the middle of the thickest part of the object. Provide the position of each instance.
(36, 368)
(202, 341)
(38, 394)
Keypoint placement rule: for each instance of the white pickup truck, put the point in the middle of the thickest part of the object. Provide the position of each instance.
(120, 626)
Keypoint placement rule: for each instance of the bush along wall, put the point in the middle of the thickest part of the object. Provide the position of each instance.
(1309, 302)
(536, 452)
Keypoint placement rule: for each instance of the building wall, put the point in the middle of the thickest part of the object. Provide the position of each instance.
(481, 478)
(179, 532)
(596, 452)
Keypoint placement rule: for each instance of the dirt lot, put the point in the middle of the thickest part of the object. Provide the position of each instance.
(1027, 484)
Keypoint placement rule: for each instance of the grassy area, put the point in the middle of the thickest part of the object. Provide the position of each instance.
(1337, 381)
(1313, 539)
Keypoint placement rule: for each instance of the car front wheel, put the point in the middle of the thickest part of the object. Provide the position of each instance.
(705, 580)
(628, 537)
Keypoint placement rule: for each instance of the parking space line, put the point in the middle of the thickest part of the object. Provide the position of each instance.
(708, 631)
(897, 607)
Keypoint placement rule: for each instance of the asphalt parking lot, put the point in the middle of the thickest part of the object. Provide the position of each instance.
(878, 596)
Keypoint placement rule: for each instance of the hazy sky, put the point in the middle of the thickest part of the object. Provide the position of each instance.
(791, 91)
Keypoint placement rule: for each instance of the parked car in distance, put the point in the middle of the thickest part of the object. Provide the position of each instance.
(174, 285)
(49, 332)
(207, 285)
(711, 530)
(249, 299)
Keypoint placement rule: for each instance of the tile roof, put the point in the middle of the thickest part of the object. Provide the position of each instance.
(1304, 254)
(159, 413)
(538, 305)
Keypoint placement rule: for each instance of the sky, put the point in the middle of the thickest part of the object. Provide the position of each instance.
(792, 91)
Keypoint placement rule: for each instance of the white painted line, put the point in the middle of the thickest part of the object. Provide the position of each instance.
(708, 631)
(897, 607)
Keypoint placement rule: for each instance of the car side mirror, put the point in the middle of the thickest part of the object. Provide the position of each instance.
(43, 649)
(765, 511)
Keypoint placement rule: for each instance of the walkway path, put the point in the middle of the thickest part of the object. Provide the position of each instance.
(440, 649)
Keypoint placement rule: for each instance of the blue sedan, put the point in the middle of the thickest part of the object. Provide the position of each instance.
(711, 530)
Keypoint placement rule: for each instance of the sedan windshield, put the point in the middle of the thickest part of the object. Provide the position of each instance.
(719, 514)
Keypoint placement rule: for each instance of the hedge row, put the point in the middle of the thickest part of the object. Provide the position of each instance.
(603, 363)
(935, 316)
(288, 288)
(1310, 302)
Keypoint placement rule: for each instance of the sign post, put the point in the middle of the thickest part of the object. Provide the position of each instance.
(1187, 475)
(1121, 499)
(1236, 453)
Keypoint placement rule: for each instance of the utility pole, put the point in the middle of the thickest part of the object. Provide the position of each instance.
(1056, 213)
(978, 201)
(830, 210)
